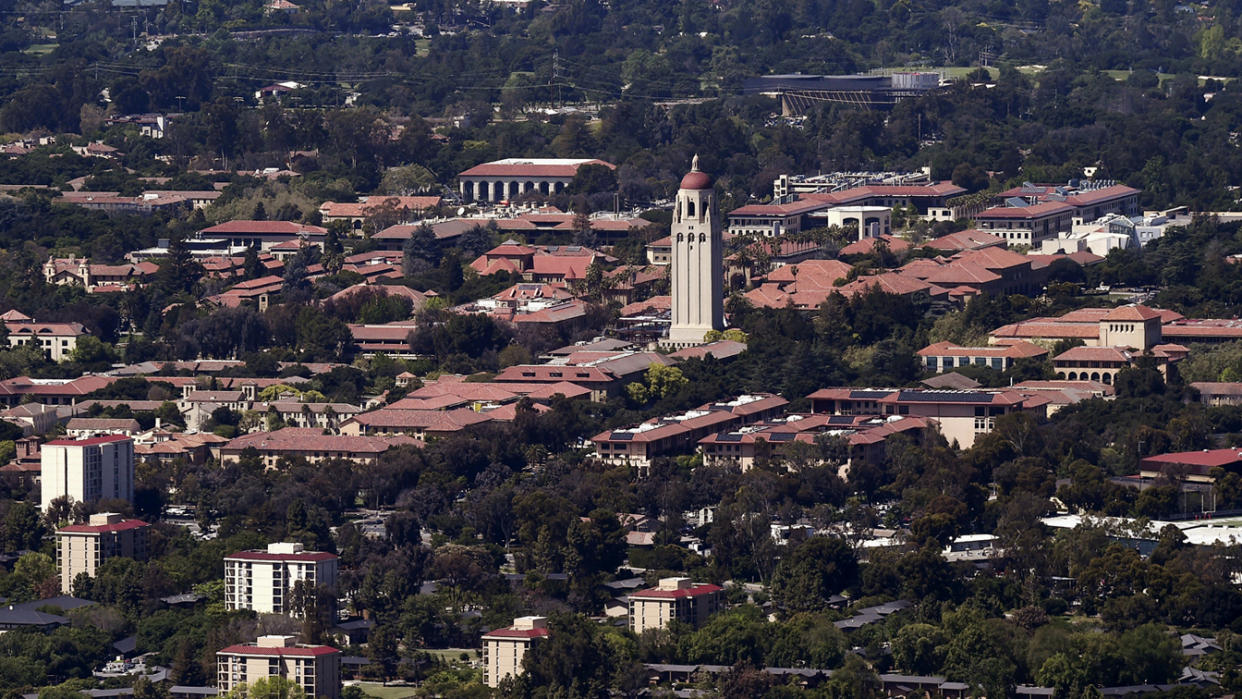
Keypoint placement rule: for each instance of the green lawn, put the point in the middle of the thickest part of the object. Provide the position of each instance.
(379, 691)
(39, 49)
(453, 654)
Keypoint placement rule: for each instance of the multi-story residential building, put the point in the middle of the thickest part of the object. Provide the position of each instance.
(82, 548)
(961, 415)
(673, 598)
(262, 581)
(88, 470)
(504, 649)
(316, 669)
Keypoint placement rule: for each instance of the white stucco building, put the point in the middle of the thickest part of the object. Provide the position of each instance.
(263, 580)
(87, 470)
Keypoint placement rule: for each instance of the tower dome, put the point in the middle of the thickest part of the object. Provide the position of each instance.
(696, 179)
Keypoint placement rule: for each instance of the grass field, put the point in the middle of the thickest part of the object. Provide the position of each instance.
(379, 691)
(39, 49)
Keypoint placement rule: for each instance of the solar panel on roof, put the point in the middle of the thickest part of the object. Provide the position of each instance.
(780, 437)
(1015, 202)
(624, 436)
(841, 420)
(728, 437)
(869, 395)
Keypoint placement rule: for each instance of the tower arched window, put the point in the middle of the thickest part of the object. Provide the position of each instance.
(690, 208)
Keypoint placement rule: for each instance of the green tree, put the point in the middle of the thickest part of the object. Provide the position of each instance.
(274, 687)
(23, 527)
(659, 382)
(808, 576)
(919, 648)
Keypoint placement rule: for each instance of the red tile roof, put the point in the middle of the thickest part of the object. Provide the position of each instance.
(867, 245)
(1017, 350)
(123, 525)
(793, 208)
(264, 652)
(1208, 457)
(1132, 312)
(304, 439)
(531, 168)
(265, 228)
(811, 274)
(1093, 354)
(93, 441)
(1095, 196)
(1050, 208)
(698, 590)
(972, 239)
(516, 633)
(847, 196)
(260, 555)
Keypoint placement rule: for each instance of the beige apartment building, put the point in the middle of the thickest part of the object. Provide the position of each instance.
(504, 649)
(673, 598)
(316, 669)
(87, 470)
(261, 581)
(82, 548)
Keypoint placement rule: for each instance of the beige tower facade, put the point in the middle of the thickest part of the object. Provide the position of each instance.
(316, 669)
(697, 269)
(82, 548)
(504, 649)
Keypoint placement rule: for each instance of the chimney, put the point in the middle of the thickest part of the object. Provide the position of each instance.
(526, 623)
(284, 547)
(275, 641)
(104, 518)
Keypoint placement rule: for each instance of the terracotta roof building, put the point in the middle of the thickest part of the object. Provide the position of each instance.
(82, 548)
(311, 444)
(673, 599)
(316, 669)
(264, 234)
(679, 434)
(512, 177)
(961, 415)
(943, 356)
(263, 580)
(505, 648)
(1193, 466)
(356, 213)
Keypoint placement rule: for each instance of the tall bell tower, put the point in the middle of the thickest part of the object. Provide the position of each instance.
(697, 270)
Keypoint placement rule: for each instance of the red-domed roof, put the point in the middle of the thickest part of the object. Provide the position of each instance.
(696, 179)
